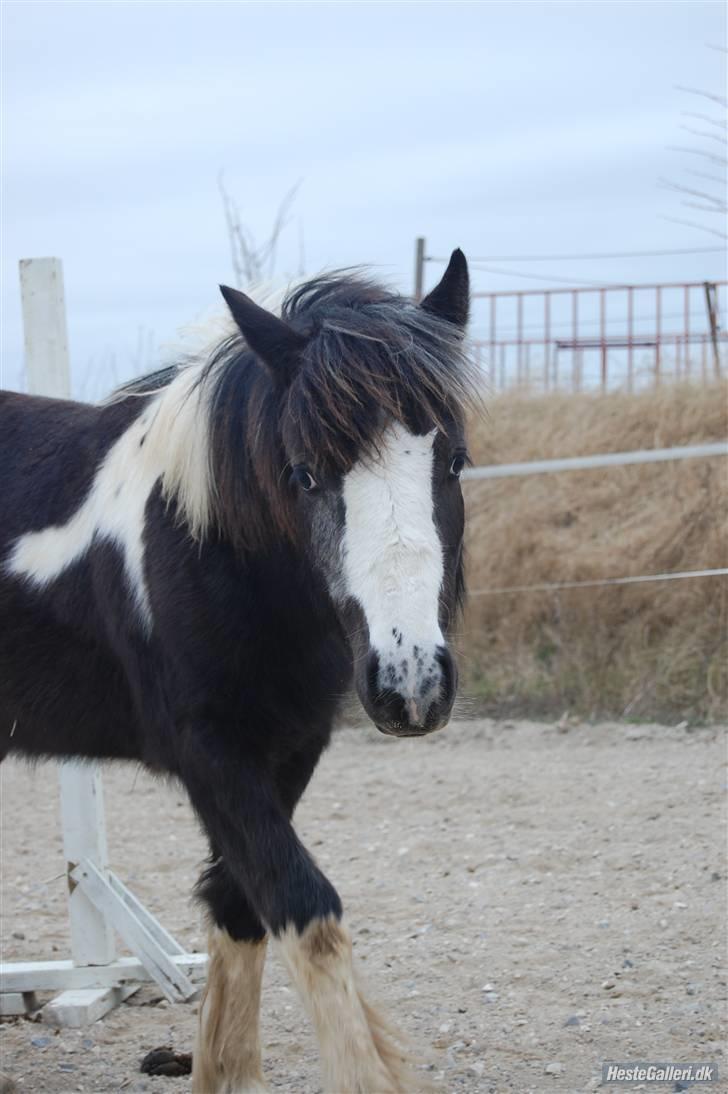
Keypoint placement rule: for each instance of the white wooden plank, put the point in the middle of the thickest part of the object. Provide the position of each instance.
(23, 976)
(82, 1006)
(175, 985)
(17, 1002)
(168, 943)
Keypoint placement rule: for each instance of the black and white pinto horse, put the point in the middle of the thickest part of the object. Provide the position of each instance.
(193, 573)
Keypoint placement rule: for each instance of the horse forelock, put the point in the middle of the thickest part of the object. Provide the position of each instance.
(372, 357)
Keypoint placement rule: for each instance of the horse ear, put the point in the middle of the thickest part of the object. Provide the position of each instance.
(451, 298)
(277, 344)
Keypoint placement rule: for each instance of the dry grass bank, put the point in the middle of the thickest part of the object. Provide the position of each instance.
(655, 650)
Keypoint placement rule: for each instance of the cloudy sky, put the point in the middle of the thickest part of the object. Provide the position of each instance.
(505, 128)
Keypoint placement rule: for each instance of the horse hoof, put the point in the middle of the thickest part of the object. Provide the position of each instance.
(165, 1061)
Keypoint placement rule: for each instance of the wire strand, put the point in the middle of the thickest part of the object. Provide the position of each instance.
(552, 278)
(577, 257)
(554, 586)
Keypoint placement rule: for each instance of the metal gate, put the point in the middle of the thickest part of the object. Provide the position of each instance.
(597, 337)
(616, 336)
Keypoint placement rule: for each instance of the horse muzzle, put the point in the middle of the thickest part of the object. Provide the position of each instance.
(410, 697)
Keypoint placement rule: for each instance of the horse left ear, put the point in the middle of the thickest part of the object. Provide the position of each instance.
(278, 345)
(451, 298)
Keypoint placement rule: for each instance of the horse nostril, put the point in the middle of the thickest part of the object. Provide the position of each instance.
(413, 711)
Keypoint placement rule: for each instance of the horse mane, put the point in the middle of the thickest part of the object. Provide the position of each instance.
(371, 356)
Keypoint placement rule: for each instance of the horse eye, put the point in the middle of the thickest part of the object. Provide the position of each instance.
(457, 466)
(302, 477)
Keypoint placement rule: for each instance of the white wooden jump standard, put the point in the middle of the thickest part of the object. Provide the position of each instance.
(95, 980)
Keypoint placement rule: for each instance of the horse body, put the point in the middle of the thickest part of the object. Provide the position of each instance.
(63, 692)
(167, 596)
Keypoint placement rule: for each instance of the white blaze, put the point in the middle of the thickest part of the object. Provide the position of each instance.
(393, 563)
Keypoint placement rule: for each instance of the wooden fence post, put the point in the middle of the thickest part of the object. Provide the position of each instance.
(82, 811)
(44, 324)
(419, 268)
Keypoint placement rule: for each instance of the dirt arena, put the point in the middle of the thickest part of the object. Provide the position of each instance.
(525, 900)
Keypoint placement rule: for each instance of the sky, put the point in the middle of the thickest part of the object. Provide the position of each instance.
(504, 128)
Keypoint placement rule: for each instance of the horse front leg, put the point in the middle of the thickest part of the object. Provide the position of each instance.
(359, 1050)
(227, 1054)
(302, 912)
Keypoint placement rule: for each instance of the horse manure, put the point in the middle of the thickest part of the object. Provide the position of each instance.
(165, 1061)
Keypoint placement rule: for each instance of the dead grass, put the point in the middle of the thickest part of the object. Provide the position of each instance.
(653, 650)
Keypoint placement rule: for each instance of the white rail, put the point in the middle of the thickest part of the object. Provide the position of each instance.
(639, 579)
(608, 459)
(582, 463)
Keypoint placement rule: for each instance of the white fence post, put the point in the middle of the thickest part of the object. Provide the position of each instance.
(84, 836)
(44, 323)
(82, 811)
(99, 903)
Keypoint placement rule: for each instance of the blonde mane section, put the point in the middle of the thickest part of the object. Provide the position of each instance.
(178, 444)
(196, 340)
(177, 440)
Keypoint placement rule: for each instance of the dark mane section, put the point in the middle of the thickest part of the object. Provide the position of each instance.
(372, 355)
(250, 496)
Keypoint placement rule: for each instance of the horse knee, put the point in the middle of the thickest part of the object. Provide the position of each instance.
(228, 907)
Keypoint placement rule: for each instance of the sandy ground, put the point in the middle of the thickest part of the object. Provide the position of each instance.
(526, 901)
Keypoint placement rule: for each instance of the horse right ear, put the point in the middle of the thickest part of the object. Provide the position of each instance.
(275, 343)
(451, 298)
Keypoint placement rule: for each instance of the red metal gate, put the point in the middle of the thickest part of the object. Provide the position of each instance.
(614, 336)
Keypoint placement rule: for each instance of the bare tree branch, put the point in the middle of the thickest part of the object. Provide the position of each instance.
(705, 118)
(719, 203)
(695, 224)
(702, 133)
(698, 152)
(231, 228)
(710, 178)
(719, 99)
(705, 208)
(253, 263)
(702, 199)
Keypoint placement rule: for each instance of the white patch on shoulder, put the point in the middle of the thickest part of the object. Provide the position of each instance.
(167, 442)
(393, 562)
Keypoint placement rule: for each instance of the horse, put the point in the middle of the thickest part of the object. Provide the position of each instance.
(193, 574)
